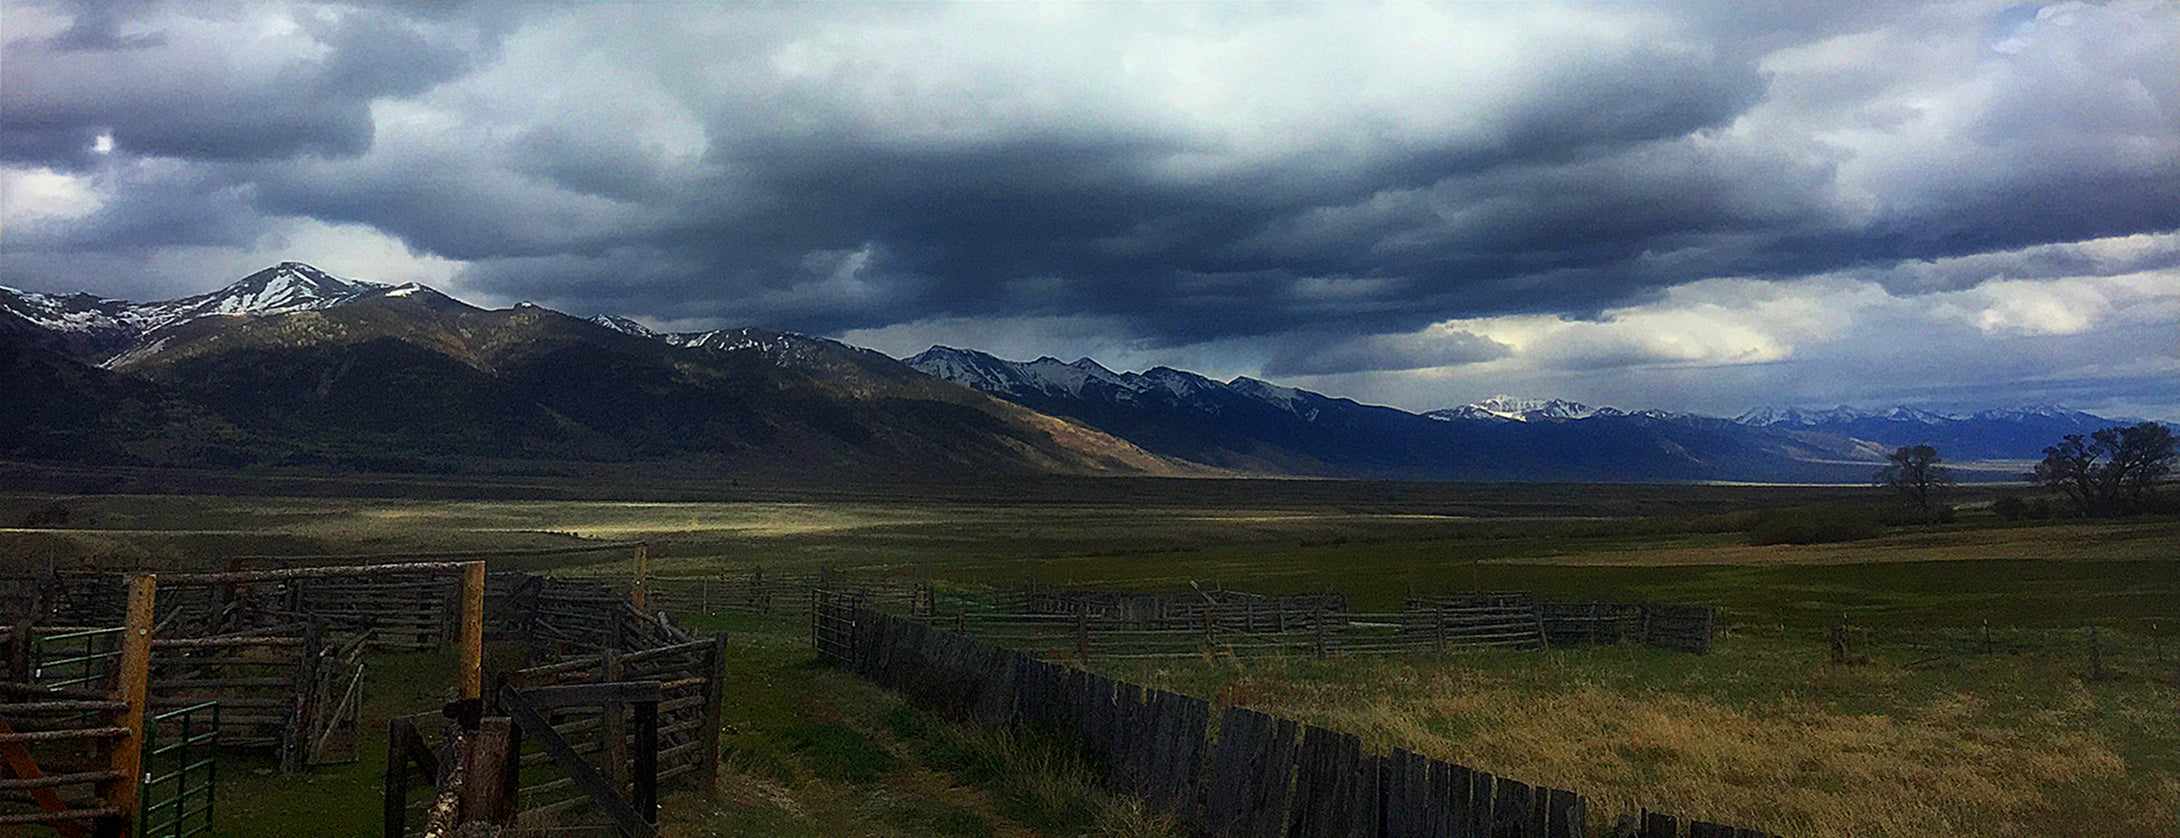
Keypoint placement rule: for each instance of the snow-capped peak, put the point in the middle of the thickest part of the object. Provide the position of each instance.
(109, 328)
(1519, 410)
(624, 325)
(285, 287)
(1774, 415)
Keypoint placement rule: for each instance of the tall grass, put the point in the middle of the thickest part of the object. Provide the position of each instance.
(1765, 732)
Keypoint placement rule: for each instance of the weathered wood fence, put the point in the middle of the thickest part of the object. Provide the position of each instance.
(605, 756)
(72, 723)
(1247, 775)
(1122, 625)
(756, 591)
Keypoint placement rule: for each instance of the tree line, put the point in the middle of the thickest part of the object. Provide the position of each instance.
(2109, 473)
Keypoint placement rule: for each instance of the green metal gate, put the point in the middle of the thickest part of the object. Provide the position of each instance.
(79, 660)
(181, 751)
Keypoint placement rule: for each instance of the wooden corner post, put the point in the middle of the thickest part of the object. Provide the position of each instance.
(473, 630)
(132, 686)
(640, 593)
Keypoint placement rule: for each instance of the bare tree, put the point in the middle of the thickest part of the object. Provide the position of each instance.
(1918, 474)
(2110, 472)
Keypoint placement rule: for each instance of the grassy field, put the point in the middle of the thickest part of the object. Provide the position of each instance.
(1940, 734)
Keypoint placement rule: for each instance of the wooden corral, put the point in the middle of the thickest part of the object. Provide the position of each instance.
(622, 704)
(72, 722)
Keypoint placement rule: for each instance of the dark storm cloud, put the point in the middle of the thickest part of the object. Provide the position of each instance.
(190, 96)
(1326, 354)
(1332, 179)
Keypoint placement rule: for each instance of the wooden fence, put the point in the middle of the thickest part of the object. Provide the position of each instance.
(584, 637)
(1085, 625)
(72, 720)
(757, 591)
(688, 722)
(1249, 775)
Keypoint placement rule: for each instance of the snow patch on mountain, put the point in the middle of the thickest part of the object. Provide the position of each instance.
(126, 330)
(624, 325)
(1769, 416)
(1087, 379)
(1512, 409)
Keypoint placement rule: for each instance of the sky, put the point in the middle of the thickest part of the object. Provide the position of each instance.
(1697, 207)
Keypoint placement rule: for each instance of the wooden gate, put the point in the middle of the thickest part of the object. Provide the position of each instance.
(832, 623)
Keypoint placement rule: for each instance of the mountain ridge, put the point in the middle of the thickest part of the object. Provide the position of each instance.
(306, 368)
(301, 360)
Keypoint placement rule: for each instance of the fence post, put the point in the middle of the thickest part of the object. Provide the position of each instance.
(640, 593)
(473, 630)
(395, 808)
(1317, 627)
(715, 708)
(2096, 657)
(613, 722)
(1438, 626)
(493, 781)
(126, 757)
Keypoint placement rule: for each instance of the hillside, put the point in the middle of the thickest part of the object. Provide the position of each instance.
(379, 376)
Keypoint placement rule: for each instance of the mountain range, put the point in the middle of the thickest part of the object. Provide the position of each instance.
(290, 366)
(294, 366)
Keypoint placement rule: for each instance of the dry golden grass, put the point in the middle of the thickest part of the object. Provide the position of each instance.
(1765, 736)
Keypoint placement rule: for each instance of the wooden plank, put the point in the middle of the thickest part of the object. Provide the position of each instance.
(1483, 806)
(1460, 801)
(593, 695)
(646, 769)
(1273, 777)
(1367, 812)
(1226, 799)
(1564, 816)
(394, 811)
(1399, 811)
(1318, 782)
(715, 707)
(1513, 810)
(18, 759)
(1657, 825)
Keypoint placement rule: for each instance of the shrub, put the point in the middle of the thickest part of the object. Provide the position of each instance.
(1815, 525)
(2011, 507)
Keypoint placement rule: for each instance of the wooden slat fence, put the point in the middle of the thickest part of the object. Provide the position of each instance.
(58, 731)
(1123, 626)
(1248, 775)
(760, 591)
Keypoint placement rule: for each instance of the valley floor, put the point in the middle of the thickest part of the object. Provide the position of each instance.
(1949, 729)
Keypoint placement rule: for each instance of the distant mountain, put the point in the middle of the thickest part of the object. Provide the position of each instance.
(1998, 434)
(98, 330)
(53, 406)
(292, 365)
(1521, 410)
(1251, 425)
(295, 366)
